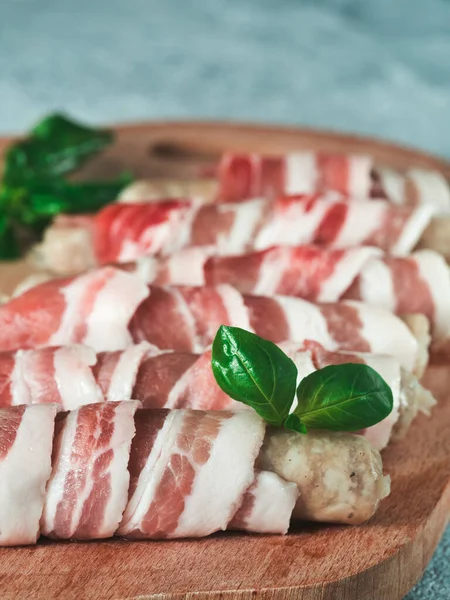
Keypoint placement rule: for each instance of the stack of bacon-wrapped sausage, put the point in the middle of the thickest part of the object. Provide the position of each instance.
(111, 420)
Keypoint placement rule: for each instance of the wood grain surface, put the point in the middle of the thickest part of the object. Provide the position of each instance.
(380, 560)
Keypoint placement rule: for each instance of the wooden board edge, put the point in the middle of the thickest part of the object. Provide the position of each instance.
(177, 130)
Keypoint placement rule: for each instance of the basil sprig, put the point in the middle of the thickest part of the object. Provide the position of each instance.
(346, 397)
(33, 188)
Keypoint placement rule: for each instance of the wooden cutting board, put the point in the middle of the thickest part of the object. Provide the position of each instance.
(380, 560)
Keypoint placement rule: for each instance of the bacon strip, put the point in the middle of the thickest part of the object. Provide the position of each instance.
(87, 491)
(186, 267)
(94, 309)
(187, 318)
(258, 224)
(26, 435)
(267, 505)
(419, 283)
(160, 379)
(243, 176)
(60, 375)
(417, 186)
(126, 231)
(183, 460)
(297, 220)
(311, 272)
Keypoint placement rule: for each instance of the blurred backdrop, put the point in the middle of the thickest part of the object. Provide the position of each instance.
(378, 67)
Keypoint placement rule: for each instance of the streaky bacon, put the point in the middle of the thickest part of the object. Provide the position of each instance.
(128, 231)
(228, 227)
(87, 490)
(160, 379)
(61, 375)
(248, 175)
(164, 379)
(259, 224)
(414, 284)
(186, 318)
(7, 365)
(185, 474)
(116, 372)
(185, 267)
(181, 460)
(311, 272)
(416, 186)
(340, 326)
(157, 378)
(419, 283)
(94, 308)
(26, 436)
(180, 380)
(267, 505)
(314, 219)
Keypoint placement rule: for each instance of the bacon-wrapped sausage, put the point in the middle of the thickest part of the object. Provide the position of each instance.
(170, 474)
(125, 232)
(97, 309)
(73, 376)
(419, 283)
(243, 176)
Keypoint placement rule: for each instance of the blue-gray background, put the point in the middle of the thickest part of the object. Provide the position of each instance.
(379, 67)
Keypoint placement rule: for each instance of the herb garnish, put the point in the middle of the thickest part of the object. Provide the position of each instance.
(346, 397)
(33, 189)
(254, 371)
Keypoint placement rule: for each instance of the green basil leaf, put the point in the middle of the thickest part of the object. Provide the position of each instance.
(254, 371)
(56, 146)
(53, 197)
(37, 204)
(91, 196)
(346, 397)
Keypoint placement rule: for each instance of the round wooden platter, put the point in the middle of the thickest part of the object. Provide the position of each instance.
(380, 560)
